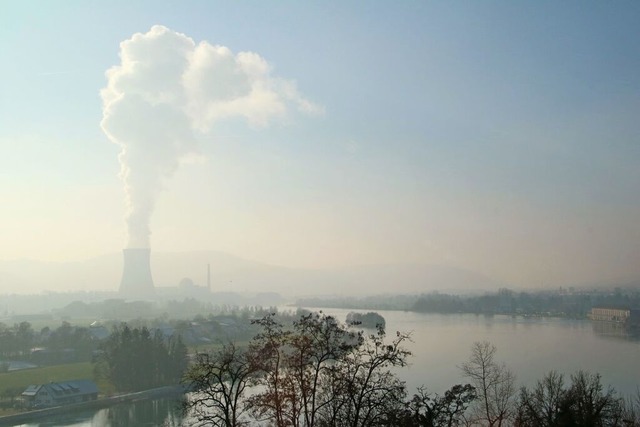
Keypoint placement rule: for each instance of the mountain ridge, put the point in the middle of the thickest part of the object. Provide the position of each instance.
(236, 274)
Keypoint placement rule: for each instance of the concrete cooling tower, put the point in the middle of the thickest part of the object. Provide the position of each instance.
(137, 282)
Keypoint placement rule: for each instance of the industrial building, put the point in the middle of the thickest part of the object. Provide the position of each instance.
(606, 314)
(58, 394)
(626, 316)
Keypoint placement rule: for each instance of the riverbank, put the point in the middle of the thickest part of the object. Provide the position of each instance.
(31, 416)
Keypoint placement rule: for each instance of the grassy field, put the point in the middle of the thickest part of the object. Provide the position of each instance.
(17, 381)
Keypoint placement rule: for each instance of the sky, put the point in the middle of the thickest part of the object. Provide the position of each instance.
(500, 137)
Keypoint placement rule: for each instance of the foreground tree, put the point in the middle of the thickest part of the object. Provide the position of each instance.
(423, 410)
(314, 373)
(297, 367)
(631, 416)
(218, 383)
(495, 385)
(583, 403)
(545, 404)
(590, 404)
(369, 392)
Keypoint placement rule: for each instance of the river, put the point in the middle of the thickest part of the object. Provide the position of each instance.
(440, 343)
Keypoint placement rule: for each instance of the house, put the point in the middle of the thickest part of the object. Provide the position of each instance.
(610, 314)
(61, 393)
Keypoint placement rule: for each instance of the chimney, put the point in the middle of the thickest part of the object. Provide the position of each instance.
(136, 280)
(209, 277)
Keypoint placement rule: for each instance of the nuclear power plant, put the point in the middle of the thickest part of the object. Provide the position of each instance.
(137, 282)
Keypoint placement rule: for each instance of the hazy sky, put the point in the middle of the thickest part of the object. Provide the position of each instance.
(503, 137)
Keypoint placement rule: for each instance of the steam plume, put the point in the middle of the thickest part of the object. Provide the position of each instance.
(166, 88)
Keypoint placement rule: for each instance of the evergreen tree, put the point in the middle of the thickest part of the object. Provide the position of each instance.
(133, 359)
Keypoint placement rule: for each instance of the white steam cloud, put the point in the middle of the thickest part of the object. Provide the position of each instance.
(166, 88)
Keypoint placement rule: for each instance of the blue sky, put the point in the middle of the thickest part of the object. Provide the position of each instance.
(497, 136)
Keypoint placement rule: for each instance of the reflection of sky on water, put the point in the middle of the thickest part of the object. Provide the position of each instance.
(615, 331)
(162, 412)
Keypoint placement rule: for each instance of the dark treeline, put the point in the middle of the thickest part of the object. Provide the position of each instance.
(174, 308)
(561, 302)
(135, 359)
(120, 309)
(105, 305)
(67, 343)
(63, 344)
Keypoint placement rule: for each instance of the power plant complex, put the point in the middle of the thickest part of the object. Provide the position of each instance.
(137, 281)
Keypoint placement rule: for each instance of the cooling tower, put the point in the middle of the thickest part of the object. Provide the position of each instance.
(136, 280)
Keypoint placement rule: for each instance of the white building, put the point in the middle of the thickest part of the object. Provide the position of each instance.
(618, 315)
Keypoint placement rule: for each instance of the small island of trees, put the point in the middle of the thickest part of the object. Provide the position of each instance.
(369, 320)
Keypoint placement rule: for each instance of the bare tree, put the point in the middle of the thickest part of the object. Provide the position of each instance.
(590, 404)
(318, 344)
(371, 394)
(275, 402)
(544, 405)
(632, 410)
(425, 410)
(318, 373)
(295, 367)
(494, 383)
(314, 373)
(585, 403)
(218, 382)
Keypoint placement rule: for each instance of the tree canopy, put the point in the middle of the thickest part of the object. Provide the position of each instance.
(134, 359)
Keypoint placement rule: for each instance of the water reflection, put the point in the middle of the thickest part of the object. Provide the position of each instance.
(160, 412)
(146, 412)
(615, 331)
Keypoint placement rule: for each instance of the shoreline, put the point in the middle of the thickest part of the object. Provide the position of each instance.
(29, 416)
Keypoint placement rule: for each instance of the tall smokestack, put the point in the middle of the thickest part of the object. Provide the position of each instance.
(209, 277)
(136, 280)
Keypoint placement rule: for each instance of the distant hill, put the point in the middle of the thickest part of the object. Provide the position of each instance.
(234, 274)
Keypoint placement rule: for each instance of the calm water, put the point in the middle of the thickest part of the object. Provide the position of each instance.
(530, 347)
(162, 412)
